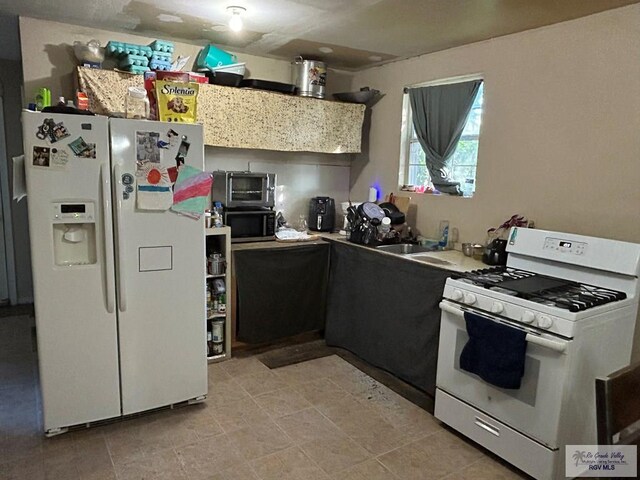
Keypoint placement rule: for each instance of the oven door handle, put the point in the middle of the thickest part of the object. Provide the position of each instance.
(556, 346)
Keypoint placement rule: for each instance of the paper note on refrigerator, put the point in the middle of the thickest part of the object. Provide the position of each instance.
(154, 187)
(190, 191)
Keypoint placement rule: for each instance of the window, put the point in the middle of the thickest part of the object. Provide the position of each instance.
(462, 164)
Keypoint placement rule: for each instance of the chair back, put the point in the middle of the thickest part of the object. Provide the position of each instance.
(618, 407)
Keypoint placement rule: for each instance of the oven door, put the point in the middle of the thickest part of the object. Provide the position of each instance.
(534, 408)
(250, 190)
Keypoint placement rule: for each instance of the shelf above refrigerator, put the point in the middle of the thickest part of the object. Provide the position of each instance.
(230, 115)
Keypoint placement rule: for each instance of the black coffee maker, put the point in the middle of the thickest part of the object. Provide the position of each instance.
(322, 214)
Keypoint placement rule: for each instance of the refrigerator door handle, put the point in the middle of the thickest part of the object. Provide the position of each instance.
(122, 298)
(107, 230)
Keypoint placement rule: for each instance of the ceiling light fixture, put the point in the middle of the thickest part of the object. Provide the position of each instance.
(235, 22)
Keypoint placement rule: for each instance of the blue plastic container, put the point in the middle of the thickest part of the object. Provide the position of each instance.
(212, 57)
(162, 46)
(119, 49)
(162, 57)
(133, 60)
(138, 70)
(160, 65)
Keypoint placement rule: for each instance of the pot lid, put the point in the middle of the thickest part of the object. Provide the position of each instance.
(372, 211)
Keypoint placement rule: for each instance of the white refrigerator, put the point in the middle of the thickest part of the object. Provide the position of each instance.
(118, 282)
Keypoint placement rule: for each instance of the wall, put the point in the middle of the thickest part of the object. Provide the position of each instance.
(560, 139)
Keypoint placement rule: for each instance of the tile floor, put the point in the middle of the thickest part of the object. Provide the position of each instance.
(318, 420)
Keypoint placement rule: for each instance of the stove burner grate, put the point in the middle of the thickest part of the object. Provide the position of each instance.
(541, 289)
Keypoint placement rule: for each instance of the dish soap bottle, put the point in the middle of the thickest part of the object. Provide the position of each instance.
(444, 234)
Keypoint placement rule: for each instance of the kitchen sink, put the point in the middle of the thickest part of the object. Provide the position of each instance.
(404, 248)
(415, 252)
(430, 259)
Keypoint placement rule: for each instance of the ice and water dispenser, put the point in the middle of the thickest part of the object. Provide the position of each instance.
(74, 233)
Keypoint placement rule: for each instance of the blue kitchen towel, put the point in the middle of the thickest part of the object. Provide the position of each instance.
(494, 352)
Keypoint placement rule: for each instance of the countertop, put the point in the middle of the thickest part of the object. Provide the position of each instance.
(453, 260)
(235, 247)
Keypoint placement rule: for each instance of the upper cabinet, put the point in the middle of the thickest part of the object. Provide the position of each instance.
(245, 118)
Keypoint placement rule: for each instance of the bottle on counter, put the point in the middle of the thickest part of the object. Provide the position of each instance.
(444, 234)
(384, 229)
(385, 226)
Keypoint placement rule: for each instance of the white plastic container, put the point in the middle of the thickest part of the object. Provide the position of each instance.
(136, 104)
(385, 226)
(237, 68)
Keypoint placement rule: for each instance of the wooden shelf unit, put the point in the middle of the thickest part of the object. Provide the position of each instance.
(219, 240)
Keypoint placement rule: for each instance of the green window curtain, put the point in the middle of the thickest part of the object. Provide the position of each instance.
(439, 116)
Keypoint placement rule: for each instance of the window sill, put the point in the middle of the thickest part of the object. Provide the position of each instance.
(431, 192)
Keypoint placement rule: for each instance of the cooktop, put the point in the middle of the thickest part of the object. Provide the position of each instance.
(541, 289)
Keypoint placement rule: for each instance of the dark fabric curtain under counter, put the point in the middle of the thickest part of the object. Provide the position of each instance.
(281, 291)
(439, 115)
(386, 311)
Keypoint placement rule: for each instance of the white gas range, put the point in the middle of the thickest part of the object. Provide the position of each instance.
(575, 300)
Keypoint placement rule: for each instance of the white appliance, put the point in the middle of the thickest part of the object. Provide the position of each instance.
(576, 297)
(119, 296)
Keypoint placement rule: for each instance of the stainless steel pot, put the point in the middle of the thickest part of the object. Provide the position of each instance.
(309, 76)
(216, 264)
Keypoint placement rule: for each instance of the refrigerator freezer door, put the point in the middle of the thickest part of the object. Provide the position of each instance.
(160, 269)
(66, 160)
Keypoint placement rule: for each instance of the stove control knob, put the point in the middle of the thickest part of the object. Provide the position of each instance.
(456, 295)
(544, 321)
(528, 317)
(469, 298)
(497, 307)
